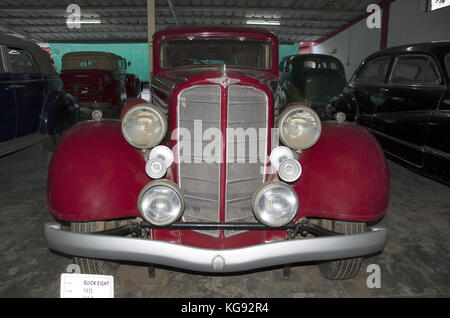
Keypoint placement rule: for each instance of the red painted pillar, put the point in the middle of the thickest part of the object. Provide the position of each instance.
(386, 6)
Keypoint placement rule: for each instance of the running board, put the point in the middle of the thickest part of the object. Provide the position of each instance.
(13, 145)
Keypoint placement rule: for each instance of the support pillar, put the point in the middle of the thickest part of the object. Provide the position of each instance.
(151, 31)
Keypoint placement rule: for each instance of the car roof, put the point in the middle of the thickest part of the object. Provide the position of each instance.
(92, 53)
(430, 47)
(41, 57)
(208, 29)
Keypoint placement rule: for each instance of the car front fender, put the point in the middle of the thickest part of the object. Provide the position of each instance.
(95, 174)
(345, 175)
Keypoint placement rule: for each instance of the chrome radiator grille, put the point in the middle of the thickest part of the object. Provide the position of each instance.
(199, 180)
(246, 157)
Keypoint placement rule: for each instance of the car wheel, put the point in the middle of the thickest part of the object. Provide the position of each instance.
(345, 268)
(91, 265)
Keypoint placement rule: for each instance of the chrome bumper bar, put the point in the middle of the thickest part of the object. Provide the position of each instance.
(210, 260)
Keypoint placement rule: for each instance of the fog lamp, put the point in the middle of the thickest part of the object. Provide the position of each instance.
(278, 155)
(290, 170)
(155, 168)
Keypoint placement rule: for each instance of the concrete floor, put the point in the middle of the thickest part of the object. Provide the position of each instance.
(415, 262)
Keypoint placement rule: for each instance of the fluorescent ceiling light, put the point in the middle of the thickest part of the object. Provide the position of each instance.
(263, 22)
(85, 22)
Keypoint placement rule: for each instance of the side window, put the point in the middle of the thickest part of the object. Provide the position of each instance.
(289, 67)
(310, 65)
(374, 72)
(415, 70)
(21, 61)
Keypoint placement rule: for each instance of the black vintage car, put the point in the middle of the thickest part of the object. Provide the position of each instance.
(33, 106)
(402, 96)
(310, 78)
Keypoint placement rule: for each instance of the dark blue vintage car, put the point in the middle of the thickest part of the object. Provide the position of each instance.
(33, 106)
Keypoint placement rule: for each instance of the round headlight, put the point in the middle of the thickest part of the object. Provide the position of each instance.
(161, 203)
(144, 126)
(275, 204)
(299, 127)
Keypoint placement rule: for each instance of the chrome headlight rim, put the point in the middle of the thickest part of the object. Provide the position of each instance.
(145, 107)
(286, 113)
(261, 190)
(164, 183)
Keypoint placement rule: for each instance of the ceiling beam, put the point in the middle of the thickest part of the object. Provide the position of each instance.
(143, 19)
(52, 28)
(256, 10)
(20, 33)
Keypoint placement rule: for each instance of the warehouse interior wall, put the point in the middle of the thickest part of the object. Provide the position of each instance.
(351, 45)
(288, 49)
(409, 22)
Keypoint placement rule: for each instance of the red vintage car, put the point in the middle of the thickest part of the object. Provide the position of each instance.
(197, 179)
(99, 79)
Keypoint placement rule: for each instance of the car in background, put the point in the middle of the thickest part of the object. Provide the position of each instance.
(133, 83)
(97, 79)
(311, 78)
(402, 96)
(33, 105)
(196, 179)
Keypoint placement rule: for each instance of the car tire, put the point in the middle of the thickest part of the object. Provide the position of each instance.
(345, 268)
(91, 265)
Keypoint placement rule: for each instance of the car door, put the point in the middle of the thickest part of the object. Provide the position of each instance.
(29, 90)
(367, 89)
(413, 92)
(437, 140)
(8, 111)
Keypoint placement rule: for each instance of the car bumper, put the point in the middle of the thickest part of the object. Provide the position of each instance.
(210, 260)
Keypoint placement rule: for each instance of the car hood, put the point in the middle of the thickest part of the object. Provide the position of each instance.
(171, 79)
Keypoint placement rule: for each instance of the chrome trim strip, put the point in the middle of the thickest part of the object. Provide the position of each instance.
(211, 260)
(159, 101)
(427, 149)
(406, 143)
(437, 153)
(160, 89)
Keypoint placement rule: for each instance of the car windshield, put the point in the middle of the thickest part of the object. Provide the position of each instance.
(232, 52)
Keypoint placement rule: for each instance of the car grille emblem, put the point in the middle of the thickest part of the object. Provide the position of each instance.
(218, 263)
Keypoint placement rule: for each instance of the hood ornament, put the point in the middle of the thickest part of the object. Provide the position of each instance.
(224, 81)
